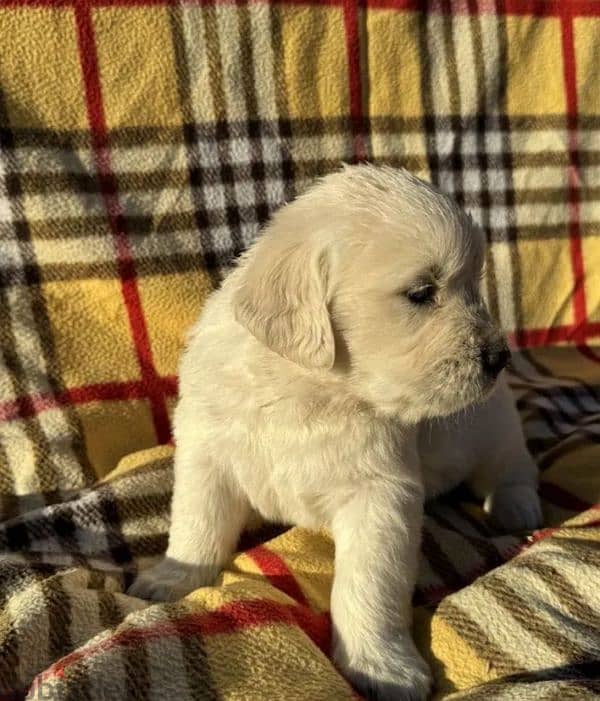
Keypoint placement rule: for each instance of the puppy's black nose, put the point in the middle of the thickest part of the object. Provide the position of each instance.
(494, 358)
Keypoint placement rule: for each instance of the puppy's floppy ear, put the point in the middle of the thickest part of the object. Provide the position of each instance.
(282, 301)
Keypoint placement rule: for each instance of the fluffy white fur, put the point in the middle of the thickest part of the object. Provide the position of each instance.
(312, 389)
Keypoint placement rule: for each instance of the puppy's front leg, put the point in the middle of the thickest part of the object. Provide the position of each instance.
(207, 516)
(377, 536)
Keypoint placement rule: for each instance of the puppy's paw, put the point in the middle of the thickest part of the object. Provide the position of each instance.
(515, 507)
(171, 580)
(395, 672)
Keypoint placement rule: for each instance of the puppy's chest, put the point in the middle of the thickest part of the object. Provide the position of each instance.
(301, 473)
(296, 484)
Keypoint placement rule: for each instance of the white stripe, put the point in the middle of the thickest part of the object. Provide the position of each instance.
(154, 244)
(241, 155)
(503, 631)
(467, 77)
(106, 673)
(402, 144)
(89, 249)
(10, 254)
(547, 214)
(149, 159)
(540, 141)
(150, 482)
(580, 575)
(85, 615)
(264, 63)
(67, 204)
(53, 423)
(233, 70)
(21, 457)
(166, 666)
(28, 613)
(196, 50)
(501, 257)
(591, 173)
(463, 556)
(28, 345)
(245, 193)
(439, 58)
(547, 605)
(7, 391)
(42, 159)
(155, 203)
(545, 177)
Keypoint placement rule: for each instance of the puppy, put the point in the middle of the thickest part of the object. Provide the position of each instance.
(312, 391)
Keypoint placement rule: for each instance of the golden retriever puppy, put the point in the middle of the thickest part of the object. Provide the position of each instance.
(313, 390)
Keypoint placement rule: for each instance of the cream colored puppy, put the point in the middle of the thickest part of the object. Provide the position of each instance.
(311, 391)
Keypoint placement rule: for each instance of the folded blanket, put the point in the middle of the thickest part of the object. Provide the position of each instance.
(142, 145)
(528, 629)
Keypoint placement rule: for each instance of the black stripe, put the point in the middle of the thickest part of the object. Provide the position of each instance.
(440, 563)
(223, 133)
(137, 672)
(195, 172)
(125, 137)
(485, 548)
(584, 675)
(196, 659)
(255, 135)
(456, 160)
(44, 465)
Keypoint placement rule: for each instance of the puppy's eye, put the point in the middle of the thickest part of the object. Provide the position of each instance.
(421, 295)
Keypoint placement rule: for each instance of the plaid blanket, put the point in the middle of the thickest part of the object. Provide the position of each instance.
(142, 145)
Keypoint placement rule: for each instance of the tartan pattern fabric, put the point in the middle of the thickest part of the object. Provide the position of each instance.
(263, 631)
(142, 145)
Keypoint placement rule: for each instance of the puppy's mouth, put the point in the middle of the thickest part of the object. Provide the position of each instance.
(451, 386)
(467, 385)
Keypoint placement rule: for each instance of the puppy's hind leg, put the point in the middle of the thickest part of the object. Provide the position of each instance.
(506, 477)
(207, 516)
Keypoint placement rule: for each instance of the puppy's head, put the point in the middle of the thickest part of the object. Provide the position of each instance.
(373, 275)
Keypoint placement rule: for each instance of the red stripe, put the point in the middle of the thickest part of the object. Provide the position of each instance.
(108, 185)
(165, 3)
(531, 338)
(537, 8)
(277, 572)
(574, 190)
(228, 619)
(25, 407)
(544, 533)
(357, 121)
(28, 406)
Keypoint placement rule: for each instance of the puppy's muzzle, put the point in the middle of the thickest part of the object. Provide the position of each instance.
(494, 358)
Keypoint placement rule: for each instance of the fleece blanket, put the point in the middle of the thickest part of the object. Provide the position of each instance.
(142, 145)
